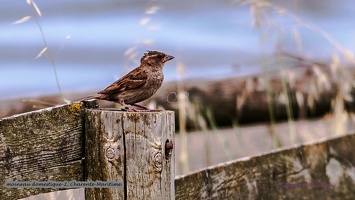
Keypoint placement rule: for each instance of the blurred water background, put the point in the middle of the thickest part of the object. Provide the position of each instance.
(88, 39)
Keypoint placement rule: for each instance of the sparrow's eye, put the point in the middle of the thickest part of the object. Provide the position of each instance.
(160, 56)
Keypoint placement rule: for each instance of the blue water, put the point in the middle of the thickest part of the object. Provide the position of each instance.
(209, 37)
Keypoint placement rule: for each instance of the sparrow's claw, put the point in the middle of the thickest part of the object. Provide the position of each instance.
(124, 109)
(154, 110)
(138, 108)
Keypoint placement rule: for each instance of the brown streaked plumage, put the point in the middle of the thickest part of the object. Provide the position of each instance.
(139, 84)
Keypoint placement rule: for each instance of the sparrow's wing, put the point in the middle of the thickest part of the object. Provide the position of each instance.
(133, 80)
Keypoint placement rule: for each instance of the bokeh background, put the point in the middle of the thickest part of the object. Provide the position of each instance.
(223, 50)
(93, 42)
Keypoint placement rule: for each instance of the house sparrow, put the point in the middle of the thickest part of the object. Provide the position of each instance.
(139, 84)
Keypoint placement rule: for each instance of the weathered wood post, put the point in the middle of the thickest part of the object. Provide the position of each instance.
(130, 147)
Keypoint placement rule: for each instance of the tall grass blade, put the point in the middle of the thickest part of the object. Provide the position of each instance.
(22, 20)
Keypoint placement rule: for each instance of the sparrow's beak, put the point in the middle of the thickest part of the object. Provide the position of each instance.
(167, 58)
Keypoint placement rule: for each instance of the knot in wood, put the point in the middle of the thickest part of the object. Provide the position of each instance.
(158, 160)
(110, 153)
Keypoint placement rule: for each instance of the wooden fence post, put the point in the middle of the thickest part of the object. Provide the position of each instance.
(130, 147)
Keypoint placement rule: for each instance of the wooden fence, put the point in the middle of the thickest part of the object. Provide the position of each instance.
(83, 143)
(76, 143)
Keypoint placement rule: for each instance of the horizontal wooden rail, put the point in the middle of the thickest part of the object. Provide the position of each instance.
(44, 145)
(321, 170)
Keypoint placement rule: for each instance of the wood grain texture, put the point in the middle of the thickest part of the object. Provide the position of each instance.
(322, 170)
(104, 152)
(130, 146)
(45, 145)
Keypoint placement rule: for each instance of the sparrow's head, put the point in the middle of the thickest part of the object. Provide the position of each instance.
(155, 58)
